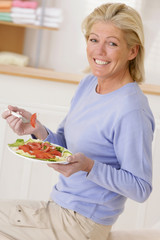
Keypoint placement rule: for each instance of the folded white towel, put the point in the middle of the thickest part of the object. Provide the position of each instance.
(23, 15)
(47, 24)
(23, 21)
(10, 58)
(51, 19)
(23, 10)
(49, 12)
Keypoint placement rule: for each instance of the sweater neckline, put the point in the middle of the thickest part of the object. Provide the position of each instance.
(128, 85)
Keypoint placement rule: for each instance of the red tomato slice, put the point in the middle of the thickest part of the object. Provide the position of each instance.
(25, 148)
(49, 155)
(34, 145)
(33, 120)
(39, 154)
(46, 146)
(55, 153)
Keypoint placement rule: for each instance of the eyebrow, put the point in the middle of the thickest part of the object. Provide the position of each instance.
(106, 37)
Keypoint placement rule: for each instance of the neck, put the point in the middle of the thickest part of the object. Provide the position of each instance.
(109, 85)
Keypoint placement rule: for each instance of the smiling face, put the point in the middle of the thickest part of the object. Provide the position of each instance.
(107, 52)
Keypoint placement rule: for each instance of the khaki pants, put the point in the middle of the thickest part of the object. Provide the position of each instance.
(35, 220)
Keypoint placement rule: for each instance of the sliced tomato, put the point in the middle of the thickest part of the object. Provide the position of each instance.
(25, 148)
(46, 146)
(55, 152)
(49, 155)
(33, 120)
(39, 154)
(34, 145)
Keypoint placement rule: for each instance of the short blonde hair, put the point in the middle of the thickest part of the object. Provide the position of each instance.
(129, 21)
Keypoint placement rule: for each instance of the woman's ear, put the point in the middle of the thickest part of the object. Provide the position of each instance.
(133, 52)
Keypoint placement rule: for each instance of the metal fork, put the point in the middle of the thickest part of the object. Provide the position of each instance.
(24, 120)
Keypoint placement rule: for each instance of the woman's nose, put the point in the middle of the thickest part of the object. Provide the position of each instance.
(101, 49)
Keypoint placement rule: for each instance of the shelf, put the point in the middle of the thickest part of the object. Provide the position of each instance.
(44, 74)
(26, 25)
(50, 75)
(150, 89)
(12, 38)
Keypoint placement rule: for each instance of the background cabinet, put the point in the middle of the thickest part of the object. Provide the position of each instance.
(13, 36)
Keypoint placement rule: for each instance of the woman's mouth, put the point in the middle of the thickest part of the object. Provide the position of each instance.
(100, 62)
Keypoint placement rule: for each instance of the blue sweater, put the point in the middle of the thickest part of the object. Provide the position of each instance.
(116, 131)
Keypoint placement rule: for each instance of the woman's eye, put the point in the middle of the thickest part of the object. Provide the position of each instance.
(112, 44)
(92, 40)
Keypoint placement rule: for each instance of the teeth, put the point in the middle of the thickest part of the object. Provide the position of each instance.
(100, 62)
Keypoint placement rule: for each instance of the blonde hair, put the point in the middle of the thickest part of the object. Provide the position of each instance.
(129, 21)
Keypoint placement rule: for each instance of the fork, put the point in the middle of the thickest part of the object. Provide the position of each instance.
(24, 120)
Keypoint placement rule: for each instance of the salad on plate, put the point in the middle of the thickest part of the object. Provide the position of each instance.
(38, 150)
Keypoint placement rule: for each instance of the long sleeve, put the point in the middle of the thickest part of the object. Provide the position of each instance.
(120, 181)
(58, 137)
(132, 139)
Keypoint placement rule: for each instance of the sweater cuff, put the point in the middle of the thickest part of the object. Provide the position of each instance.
(91, 175)
(48, 131)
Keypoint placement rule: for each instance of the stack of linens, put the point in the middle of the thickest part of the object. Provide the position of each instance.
(24, 12)
(28, 12)
(10, 58)
(49, 17)
(5, 11)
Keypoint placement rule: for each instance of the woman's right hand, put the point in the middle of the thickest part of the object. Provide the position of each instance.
(21, 128)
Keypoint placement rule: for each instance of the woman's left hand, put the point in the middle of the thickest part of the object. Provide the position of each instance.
(77, 162)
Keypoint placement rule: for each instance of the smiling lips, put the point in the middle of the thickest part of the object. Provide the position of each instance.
(100, 62)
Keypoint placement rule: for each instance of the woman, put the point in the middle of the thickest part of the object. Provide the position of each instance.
(109, 128)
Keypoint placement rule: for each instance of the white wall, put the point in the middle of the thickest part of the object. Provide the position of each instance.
(64, 50)
(20, 178)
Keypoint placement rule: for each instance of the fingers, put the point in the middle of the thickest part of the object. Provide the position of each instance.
(6, 114)
(74, 165)
(66, 169)
(15, 124)
(57, 167)
(72, 159)
(22, 111)
(75, 158)
(77, 162)
(13, 108)
(11, 120)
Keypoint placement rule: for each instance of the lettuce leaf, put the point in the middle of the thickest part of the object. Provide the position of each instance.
(18, 142)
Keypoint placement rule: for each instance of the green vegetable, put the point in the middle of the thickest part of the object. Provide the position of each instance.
(66, 153)
(18, 142)
(25, 154)
(60, 149)
(32, 140)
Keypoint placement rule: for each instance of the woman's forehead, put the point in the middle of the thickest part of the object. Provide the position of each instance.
(106, 28)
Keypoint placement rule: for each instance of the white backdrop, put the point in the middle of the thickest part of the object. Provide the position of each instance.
(64, 50)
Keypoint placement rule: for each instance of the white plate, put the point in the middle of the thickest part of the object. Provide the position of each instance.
(58, 160)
